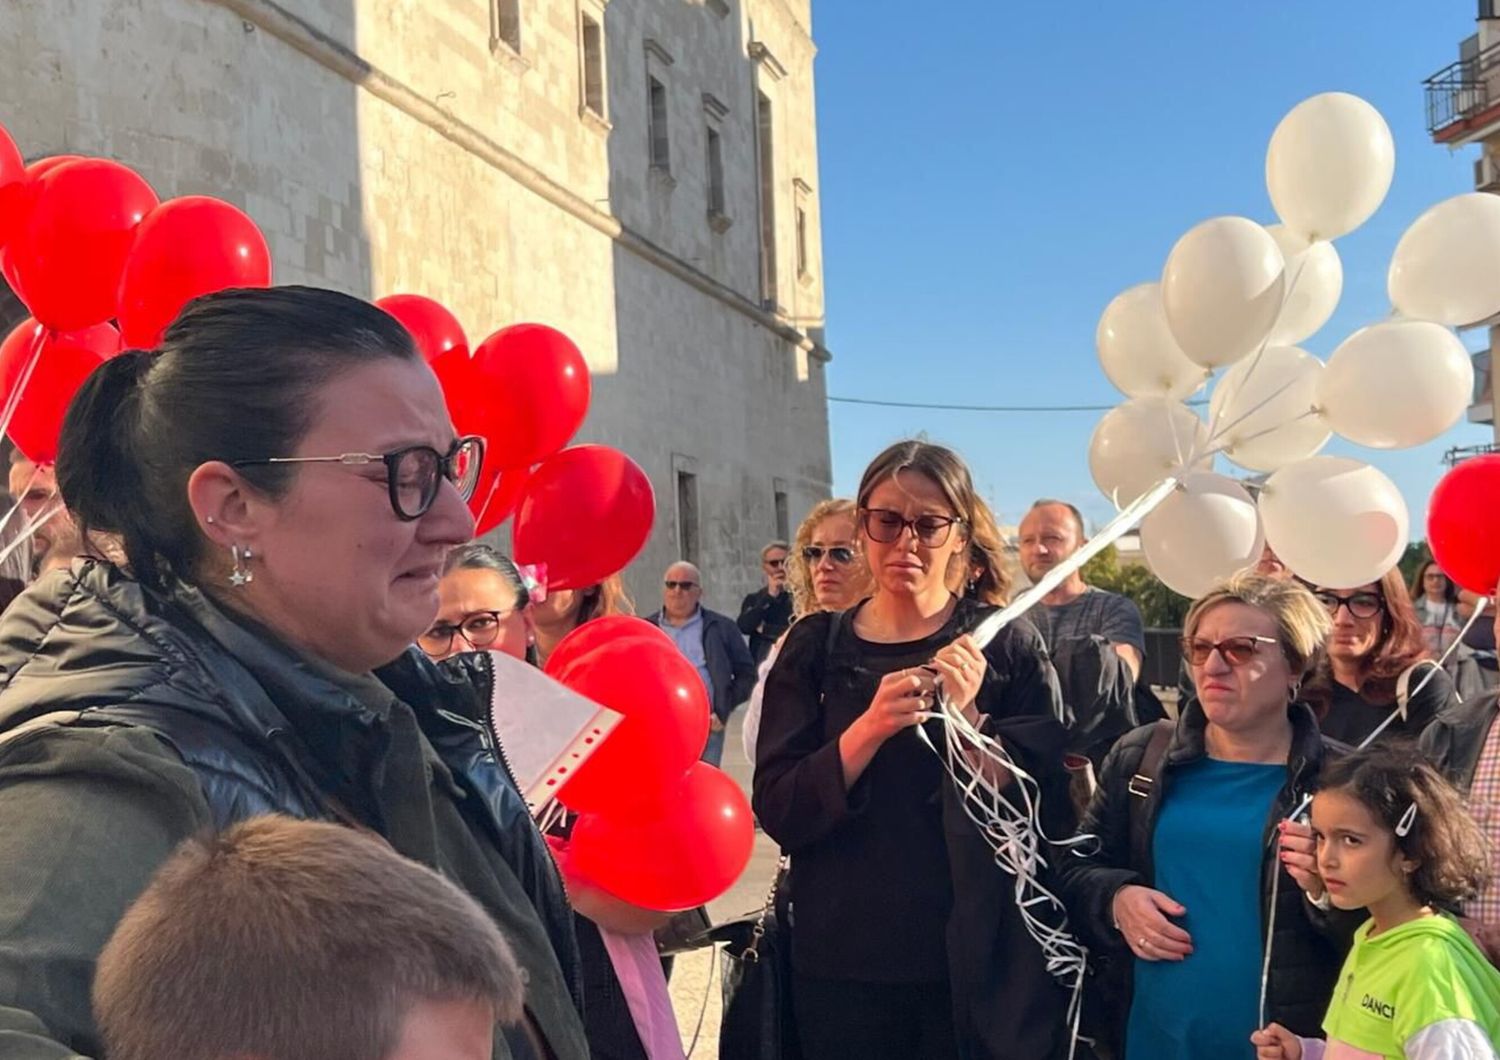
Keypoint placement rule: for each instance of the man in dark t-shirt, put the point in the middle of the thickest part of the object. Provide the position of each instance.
(1096, 638)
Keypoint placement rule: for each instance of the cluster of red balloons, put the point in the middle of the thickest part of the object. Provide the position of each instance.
(102, 265)
(584, 512)
(656, 827)
(1462, 529)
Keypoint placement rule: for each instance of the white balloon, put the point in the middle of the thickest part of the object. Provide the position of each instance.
(1137, 350)
(1314, 282)
(1222, 289)
(1260, 409)
(1329, 165)
(1396, 384)
(1334, 521)
(1207, 529)
(1447, 265)
(1140, 442)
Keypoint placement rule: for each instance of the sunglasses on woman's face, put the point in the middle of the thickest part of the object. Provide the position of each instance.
(840, 554)
(1237, 651)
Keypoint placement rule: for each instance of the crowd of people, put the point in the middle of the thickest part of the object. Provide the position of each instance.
(251, 804)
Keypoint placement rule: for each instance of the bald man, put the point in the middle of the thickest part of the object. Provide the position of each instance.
(712, 643)
(1096, 638)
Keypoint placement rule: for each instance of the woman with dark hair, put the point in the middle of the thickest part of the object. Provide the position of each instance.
(1434, 599)
(285, 482)
(483, 605)
(907, 941)
(1375, 663)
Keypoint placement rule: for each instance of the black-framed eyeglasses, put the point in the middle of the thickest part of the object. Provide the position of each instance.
(479, 629)
(413, 474)
(775, 564)
(1360, 605)
(840, 554)
(1237, 651)
(886, 525)
(684, 586)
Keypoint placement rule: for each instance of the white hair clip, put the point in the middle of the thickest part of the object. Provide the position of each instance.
(1409, 818)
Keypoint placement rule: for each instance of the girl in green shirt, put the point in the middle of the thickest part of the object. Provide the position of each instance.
(1393, 838)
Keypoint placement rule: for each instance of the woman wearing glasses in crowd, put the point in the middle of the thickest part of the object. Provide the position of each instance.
(825, 572)
(1375, 662)
(483, 605)
(286, 483)
(1191, 841)
(906, 941)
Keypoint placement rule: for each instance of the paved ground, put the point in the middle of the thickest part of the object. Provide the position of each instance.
(693, 996)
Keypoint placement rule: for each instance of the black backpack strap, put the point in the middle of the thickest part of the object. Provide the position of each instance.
(1140, 786)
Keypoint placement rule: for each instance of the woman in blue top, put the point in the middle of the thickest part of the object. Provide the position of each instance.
(1178, 895)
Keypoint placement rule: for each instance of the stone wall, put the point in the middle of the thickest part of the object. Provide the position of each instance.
(389, 145)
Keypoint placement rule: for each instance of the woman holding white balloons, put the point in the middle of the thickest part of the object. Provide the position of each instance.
(1377, 663)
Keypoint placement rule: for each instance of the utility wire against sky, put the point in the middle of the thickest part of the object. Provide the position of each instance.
(979, 408)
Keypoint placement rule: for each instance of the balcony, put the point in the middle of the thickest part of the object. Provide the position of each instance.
(1463, 100)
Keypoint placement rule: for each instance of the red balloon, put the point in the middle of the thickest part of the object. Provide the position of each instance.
(12, 181)
(18, 206)
(597, 633)
(687, 853)
(67, 254)
(665, 728)
(1462, 530)
(434, 329)
(586, 513)
(526, 389)
(63, 363)
(185, 248)
(496, 496)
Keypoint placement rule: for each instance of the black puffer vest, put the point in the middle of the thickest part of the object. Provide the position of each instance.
(91, 647)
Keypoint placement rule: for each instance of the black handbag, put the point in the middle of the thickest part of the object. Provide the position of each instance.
(758, 1021)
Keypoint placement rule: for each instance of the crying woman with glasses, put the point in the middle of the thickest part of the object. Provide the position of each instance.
(1377, 663)
(1194, 854)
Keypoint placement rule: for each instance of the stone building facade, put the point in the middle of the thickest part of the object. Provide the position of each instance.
(642, 174)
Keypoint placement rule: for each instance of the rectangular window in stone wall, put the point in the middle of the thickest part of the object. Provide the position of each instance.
(591, 44)
(505, 24)
(687, 516)
(767, 167)
(783, 516)
(715, 173)
(656, 103)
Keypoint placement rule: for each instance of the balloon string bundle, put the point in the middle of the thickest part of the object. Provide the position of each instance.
(1432, 671)
(1014, 831)
(54, 506)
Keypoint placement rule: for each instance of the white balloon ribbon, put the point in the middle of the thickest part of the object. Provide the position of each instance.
(1008, 815)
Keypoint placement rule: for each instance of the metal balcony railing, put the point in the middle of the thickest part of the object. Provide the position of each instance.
(1459, 453)
(1463, 89)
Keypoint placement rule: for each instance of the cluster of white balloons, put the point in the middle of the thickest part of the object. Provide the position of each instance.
(1236, 297)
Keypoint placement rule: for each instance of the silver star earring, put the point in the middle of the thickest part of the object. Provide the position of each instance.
(242, 575)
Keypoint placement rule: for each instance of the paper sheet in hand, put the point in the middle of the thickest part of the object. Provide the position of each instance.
(546, 730)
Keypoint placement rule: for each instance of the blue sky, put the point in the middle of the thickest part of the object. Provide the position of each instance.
(993, 175)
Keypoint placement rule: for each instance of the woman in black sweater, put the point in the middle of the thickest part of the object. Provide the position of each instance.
(904, 940)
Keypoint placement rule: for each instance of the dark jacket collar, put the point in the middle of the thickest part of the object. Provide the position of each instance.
(1306, 752)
